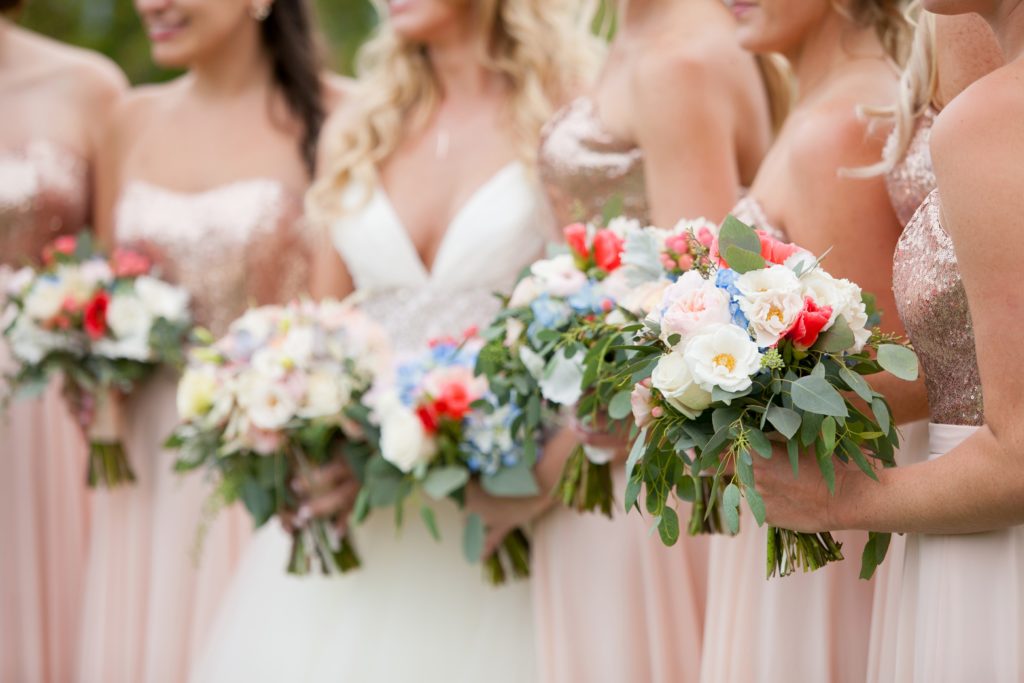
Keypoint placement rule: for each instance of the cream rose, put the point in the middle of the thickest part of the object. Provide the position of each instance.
(723, 357)
(692, 304)
(196, 393)
(673, 378)
(162, 300)
(403, 441)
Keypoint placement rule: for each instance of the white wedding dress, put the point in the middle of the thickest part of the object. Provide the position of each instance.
(416, 610)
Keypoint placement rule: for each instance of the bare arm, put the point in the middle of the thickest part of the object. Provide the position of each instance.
(684, 125)
(853, 217)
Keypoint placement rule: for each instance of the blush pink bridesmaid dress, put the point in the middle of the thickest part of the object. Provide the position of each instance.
(958, 611)
(804, 627)
(43, 500)
(611, 602)
(162, 555)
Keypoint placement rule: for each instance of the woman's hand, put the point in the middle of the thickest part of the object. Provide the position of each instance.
(614, 440)
(800, 503)
(327, 492)
(502, 515)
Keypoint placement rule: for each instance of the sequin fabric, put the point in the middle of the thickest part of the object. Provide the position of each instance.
(913, 177)
(583, 167)
(231, 247)
(933, 305)
(44, 193)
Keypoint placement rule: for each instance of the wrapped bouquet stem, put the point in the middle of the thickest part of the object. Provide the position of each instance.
(108, 462)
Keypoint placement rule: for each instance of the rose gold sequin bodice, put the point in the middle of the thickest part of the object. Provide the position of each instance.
(933, 306)
(234, 246)
(913, 177)
(44, 193)
(584, 167)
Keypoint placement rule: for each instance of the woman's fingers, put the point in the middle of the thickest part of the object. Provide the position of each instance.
(321, 479)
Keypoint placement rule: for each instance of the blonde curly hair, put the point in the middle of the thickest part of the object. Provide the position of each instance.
(542, 49)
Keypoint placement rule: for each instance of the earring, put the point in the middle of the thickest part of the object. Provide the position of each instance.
(260, 12)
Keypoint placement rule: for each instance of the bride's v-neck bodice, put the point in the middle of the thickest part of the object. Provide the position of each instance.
(500, 230)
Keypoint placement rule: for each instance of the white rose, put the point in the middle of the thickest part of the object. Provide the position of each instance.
(723, 357)
(559, 276)
(403, 441)
(134, 347)
(843, 297)
(128, 316)
(163, 300)
(197, 392)
(77, 284)
(327, 392)
(268, 403)
(771, 299)
(672, 377)
(45, 299)
(692, 304)
(525, 292)
(30, 343)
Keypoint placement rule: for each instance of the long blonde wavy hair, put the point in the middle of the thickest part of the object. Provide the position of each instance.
(918, 88)
(542, 49)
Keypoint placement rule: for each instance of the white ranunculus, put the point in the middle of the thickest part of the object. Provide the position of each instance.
(267, 402)
(843, 297)
(128, 316)
(403, 441)
(45, 299)
(723, 357)
(672, 377)
(691, 304)
(327, 392)
(163, 300)
(525, 292)
(771, 300)
(559, 276)
(197, 392)
(562, 379)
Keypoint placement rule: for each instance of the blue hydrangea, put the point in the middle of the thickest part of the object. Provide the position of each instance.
(488, 439)
(548, 314)
(588, 300)
(726, 279)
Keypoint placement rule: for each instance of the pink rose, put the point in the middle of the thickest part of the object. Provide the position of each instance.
(642, 402)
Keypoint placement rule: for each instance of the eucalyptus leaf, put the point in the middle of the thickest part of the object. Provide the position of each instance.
(686, 488)
(828, 434)
(632, 492)
(511, 482)
(785, 421)
(636, 452)
(668, 527)
(881, 412)
(731, 507)
(899, 361)
(756, 504)
(759, 442)
(735, 232)
(443, 481)
(857, 383)
(429, 520)
(837, 338)
(473, 538)
(743, 260)
(620, 406)
(815, 395)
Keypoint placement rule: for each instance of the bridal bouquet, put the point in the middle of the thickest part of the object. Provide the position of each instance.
(440, 427)
(763, 345)
(279, 395)
(105, 323)
(539, 343)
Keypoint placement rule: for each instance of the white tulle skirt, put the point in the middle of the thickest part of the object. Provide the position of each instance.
(957, 611)
(416, 611)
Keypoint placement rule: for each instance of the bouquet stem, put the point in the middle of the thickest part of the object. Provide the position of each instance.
(319, 542)
(790, 550)
(707, 517)
(584, 485)
(108, 462)
(515, 552)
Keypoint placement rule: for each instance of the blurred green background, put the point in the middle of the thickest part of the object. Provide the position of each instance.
(111, 27)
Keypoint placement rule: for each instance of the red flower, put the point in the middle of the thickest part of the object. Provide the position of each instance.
(809, 323)
(96, 316)
(454, 401)
(65, 245)
(607, 250)
(774, 251)
(128, 263)
(428, 417)
(576, 237)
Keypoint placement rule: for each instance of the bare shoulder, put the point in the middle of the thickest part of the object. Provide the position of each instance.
(136, 107)
(82, 75)
(979, 132)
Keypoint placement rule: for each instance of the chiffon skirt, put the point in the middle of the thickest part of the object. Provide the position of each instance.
(43, 536)
(159, 559)
(957, 612)
(416, 611)
(804, 628)
(612, 602)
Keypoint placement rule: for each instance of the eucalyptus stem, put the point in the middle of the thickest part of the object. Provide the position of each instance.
(792, 550)
(108, 465)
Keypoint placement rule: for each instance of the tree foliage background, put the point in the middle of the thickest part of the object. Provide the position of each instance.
(112, 27)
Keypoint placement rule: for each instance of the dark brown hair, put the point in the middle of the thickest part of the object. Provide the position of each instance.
(8, 5)
(888, 19)
(288, 37)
